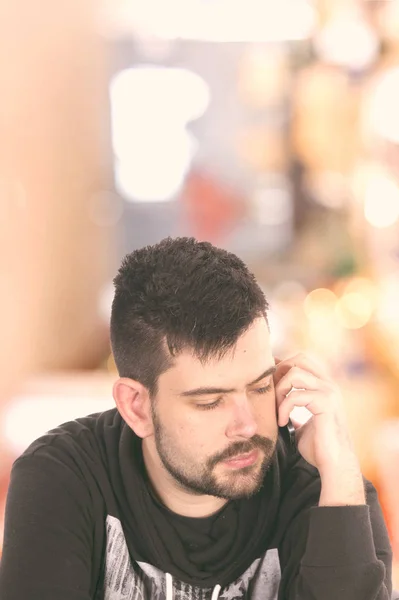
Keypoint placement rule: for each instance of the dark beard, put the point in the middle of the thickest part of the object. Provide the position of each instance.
(205, 483)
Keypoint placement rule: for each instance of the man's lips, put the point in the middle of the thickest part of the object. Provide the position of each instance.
(242, 460)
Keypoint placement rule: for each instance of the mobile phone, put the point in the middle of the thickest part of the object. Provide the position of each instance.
(291, 433)
(288, 433)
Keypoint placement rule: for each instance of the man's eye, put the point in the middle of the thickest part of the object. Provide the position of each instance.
(264, 389)
(209, 406)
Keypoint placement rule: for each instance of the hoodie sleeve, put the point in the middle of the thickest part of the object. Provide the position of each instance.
(48, 533)
(337, 552)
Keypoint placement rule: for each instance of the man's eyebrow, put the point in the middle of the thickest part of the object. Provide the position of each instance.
(205, 391)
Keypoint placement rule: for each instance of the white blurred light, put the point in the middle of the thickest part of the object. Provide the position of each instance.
(217, 21)
(150, 110)
(347, 40)
(27, 418)
(156, 171)
(156, 93)
(382, 106)
(381, 201)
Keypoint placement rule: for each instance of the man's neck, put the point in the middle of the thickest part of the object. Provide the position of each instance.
(172, 495)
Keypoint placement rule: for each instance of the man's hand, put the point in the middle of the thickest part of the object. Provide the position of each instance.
(324, 441)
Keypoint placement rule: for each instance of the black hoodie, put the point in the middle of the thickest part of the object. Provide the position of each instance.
(82, 523)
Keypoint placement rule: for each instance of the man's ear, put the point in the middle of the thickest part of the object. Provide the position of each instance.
(134, 405)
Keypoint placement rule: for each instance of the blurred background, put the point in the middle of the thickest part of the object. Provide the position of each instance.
(268, 128)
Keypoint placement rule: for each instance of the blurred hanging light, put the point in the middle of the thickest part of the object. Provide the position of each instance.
(354, 310)
(320, 304)
(216, 21)
(381, 200)
(363, 286)
(348, 41)
(150, 110)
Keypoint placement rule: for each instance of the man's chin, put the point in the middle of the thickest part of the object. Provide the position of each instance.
(244, 483)
(240, 492)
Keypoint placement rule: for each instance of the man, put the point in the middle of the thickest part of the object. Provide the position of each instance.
(190, 487)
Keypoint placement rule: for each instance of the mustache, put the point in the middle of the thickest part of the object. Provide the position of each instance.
(257, 442)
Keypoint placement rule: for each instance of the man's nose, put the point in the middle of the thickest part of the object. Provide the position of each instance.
(243, 423)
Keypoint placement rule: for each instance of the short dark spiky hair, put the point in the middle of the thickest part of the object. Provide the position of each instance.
(179, 294)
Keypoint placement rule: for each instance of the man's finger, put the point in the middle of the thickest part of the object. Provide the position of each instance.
(316, 402)
(303, 361)
(297, 379)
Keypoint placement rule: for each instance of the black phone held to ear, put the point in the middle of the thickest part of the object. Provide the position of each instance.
(288, 434)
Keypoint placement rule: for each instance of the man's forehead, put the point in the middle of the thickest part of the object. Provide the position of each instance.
(248, 357)
(188, 371)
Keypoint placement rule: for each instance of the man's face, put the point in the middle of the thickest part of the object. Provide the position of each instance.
(215, 425)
